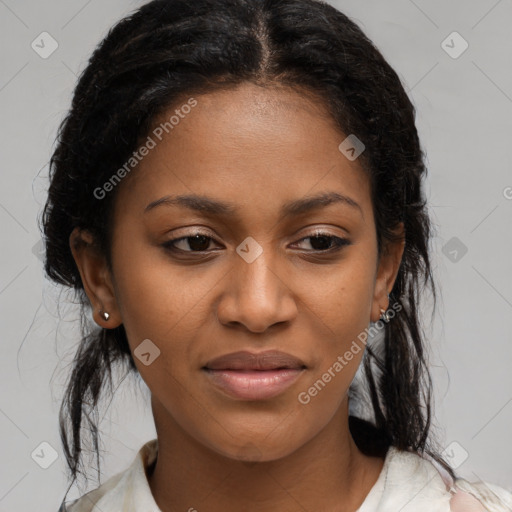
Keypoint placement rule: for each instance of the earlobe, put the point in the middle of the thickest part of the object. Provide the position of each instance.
(96, 278)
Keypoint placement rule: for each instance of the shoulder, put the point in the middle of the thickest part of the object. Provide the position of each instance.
(411, 482)
(128, 490)
(477, 496)
(490, 497)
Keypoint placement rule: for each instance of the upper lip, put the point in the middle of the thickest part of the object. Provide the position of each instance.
(245, 360)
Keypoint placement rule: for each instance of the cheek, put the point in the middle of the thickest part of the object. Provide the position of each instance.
(158, 299)
(343, 296)
(338, 355)
(169, 305)
(342, 306)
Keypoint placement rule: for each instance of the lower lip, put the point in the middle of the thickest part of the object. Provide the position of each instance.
(254, 384)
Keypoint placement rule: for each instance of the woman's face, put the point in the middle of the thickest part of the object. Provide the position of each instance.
(248, 165)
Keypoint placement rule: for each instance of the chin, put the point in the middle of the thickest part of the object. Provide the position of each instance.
(252, 447)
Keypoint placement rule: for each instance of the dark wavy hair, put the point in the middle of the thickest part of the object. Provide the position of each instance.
(168, 50)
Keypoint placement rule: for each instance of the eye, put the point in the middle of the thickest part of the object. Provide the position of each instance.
(325, 242)
(197, 242)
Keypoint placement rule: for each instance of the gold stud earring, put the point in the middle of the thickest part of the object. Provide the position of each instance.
(384, 314)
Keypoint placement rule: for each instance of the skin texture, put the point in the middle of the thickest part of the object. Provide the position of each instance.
(258, 148)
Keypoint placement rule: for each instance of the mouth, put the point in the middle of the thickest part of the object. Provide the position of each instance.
(249, 376)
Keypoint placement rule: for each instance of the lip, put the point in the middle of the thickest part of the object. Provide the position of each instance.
(254, 376)
(245, 360)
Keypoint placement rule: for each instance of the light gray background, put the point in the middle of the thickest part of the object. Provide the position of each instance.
(464, 108)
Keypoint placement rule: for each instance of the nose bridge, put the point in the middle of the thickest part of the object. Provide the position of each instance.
(256, 278)
(257, 296)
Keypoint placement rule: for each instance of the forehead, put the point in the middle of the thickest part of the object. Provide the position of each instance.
(250, 145)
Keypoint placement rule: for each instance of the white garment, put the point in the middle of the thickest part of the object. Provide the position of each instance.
(407, 483)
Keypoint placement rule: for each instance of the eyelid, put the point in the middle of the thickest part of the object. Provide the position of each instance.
(319, 231)
(338, 241)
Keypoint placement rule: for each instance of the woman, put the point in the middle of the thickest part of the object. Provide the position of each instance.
(236, 197)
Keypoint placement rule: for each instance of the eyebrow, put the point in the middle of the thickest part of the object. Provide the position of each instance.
(207, 205)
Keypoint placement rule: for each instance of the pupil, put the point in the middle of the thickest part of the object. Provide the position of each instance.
(198, 242)
(323, 246)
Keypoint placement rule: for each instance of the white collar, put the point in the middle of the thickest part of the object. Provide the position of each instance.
(407, 483)
(128, 490)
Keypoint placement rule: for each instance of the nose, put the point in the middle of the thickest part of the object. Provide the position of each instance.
(256, 296)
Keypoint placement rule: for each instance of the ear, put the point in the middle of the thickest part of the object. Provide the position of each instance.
(96, 278)
(387, 271)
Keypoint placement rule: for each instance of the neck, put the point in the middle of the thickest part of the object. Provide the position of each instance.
(328, 473)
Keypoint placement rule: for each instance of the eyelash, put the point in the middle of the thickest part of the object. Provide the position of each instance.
(338, 241)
